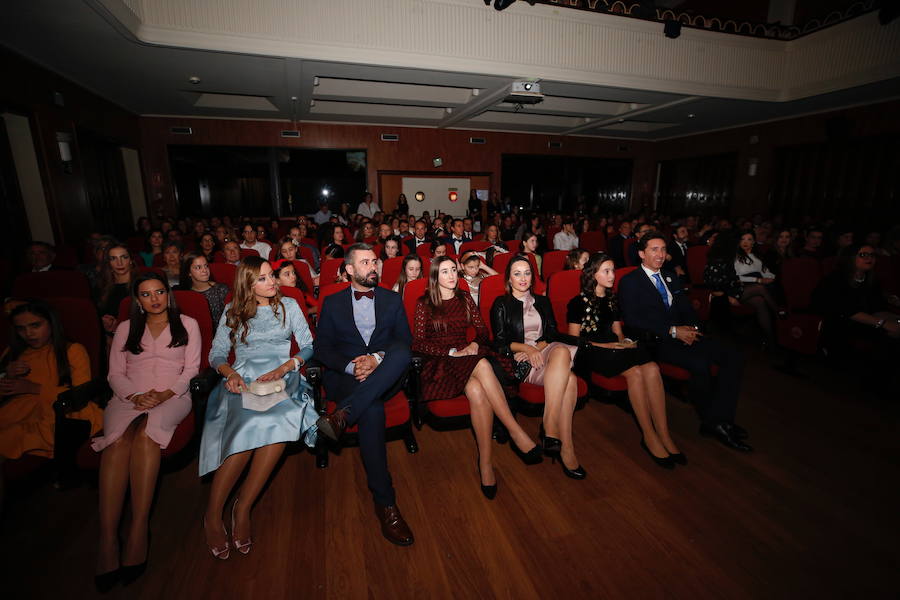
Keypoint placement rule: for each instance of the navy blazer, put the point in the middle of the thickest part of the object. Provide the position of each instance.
(338, 340)
(642, 307)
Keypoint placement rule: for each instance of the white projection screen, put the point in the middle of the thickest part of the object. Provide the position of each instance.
(436, 191)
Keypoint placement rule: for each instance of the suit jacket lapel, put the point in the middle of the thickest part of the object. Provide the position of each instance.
(652, 285)
(347, 301)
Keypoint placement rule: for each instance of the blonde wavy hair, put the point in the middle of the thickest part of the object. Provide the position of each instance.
(243, 302)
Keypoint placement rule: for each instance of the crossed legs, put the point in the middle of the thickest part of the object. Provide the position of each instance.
(648, 401)
(486, 399)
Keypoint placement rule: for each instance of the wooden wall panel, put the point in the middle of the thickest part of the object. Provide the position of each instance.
(414, 151)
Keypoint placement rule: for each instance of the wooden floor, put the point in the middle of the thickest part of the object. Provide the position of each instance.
(813, 513)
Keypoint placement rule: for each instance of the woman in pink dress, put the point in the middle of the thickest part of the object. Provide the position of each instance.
(154, 356)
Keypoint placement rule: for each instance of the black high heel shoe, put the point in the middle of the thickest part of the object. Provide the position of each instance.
(679, 458)
(665, 463)
(104, 582)
(552, 446)
(532, 457)
(576, 473)
(131, 573)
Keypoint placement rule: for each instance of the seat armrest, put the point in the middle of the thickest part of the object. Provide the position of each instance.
(77, 397)
(314, 378)
(204, 382)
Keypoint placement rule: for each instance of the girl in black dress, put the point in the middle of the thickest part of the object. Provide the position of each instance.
(593, 316)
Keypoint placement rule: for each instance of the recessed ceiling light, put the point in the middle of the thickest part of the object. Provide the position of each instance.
(194, 79)
(691, 116)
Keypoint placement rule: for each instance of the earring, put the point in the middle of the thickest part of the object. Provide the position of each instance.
(141, 308)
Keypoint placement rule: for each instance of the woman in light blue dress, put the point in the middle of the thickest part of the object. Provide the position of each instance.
(240, 428)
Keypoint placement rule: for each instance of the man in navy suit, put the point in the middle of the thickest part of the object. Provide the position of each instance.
(420, 237)
(656, 310)
(363, 340)
(677, 249)
(617, 244)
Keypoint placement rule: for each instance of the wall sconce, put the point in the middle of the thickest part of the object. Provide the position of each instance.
(64, 141)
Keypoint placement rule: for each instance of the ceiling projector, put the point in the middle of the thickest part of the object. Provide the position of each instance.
(525, 92)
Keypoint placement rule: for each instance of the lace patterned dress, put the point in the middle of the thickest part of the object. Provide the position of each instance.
(596, 316)
(445, 376)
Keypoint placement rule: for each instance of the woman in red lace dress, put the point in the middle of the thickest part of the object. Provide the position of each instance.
(454, 366)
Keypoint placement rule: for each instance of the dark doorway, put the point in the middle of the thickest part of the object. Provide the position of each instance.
(565, 182)
(698, 185)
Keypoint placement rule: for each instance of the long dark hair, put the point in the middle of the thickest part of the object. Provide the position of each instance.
(137, 318)
(514, 260)
(401, 279)
(432, 296)
(58, 339)
(107, 279)
(184, 277)
(739, 253)
(588, 274)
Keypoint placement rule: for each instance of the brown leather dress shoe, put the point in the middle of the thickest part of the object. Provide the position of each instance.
(393, 527)
(333, 425)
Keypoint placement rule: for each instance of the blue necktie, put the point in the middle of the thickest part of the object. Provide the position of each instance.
(661, 288)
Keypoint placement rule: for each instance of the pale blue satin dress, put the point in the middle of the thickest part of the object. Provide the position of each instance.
(230, 428)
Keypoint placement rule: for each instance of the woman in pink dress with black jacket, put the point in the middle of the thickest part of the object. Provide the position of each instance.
(154, 356)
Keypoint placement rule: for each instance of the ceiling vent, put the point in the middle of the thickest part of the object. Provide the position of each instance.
(181, 131)
(390, 137)
(477, 140)
(554, 145)
(290, 133)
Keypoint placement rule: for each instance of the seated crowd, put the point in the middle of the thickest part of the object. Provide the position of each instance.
(487, 325)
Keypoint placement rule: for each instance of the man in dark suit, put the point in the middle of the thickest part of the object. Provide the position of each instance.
(363, 340)
(40, 256)
(617, 244)
(420, 237)
(656, 310)
(677, 250)
(457, 236)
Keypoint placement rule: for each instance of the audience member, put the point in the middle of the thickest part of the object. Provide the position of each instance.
(525, 330)
(367, 208)
(335, 247)
(566, 239)
(155, 353)
(593, 316)
(113, 285)
(40, 256)
(195, 276)
(366, 352)
(245, 425)
(454, 366)
(172, 262)
(232, 252)
(663, 317)
(410, 270)
(617, 244)
(251, 241)
(576, 259)
(474, 271)
(153, 247)
(457, 236)
(812, 243)
(37, 366)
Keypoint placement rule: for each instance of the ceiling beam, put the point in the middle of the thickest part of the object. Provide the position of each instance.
(477, 105)
(629, 115)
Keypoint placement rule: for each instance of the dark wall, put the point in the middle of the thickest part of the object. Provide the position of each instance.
(413, 152)
(72, 194)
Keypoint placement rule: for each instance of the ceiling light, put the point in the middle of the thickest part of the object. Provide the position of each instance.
(194, 79)
(691, 115)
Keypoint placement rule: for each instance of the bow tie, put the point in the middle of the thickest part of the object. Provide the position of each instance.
(369, 294)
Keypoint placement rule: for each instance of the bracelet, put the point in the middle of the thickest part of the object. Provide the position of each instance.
(297, 363)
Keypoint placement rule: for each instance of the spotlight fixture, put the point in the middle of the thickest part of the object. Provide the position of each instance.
(420, 196)
(504, 4)
(672, 29)
(437, 162)
(194, 79)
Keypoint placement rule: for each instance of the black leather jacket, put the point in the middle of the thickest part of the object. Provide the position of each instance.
(508, 323)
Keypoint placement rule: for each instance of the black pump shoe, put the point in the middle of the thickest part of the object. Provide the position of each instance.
(489, 491)
(131, 573)
(104, 582)
(665, 463)
(679, 458)
(576, 473)
(532, 457)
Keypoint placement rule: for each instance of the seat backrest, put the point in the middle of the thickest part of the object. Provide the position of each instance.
(562, 287)
(390, 271)
(513, 245)
(245, 252)
(411, 294)
(424, 251)
(306, 253)
(273, 253)
(476, 246)
(500, 263)
(489, 290)
(304, 274)
(223, 272)
(553, 262)
(52, 284)
(620, 273)
(799, 277)
(159, 260)
(194, 304)
(696, 262)
(551, 232)
(593, 241)
(80, 323)
(329, 271)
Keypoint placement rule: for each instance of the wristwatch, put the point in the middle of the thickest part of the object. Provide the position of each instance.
(879, 323)
(673, 332)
